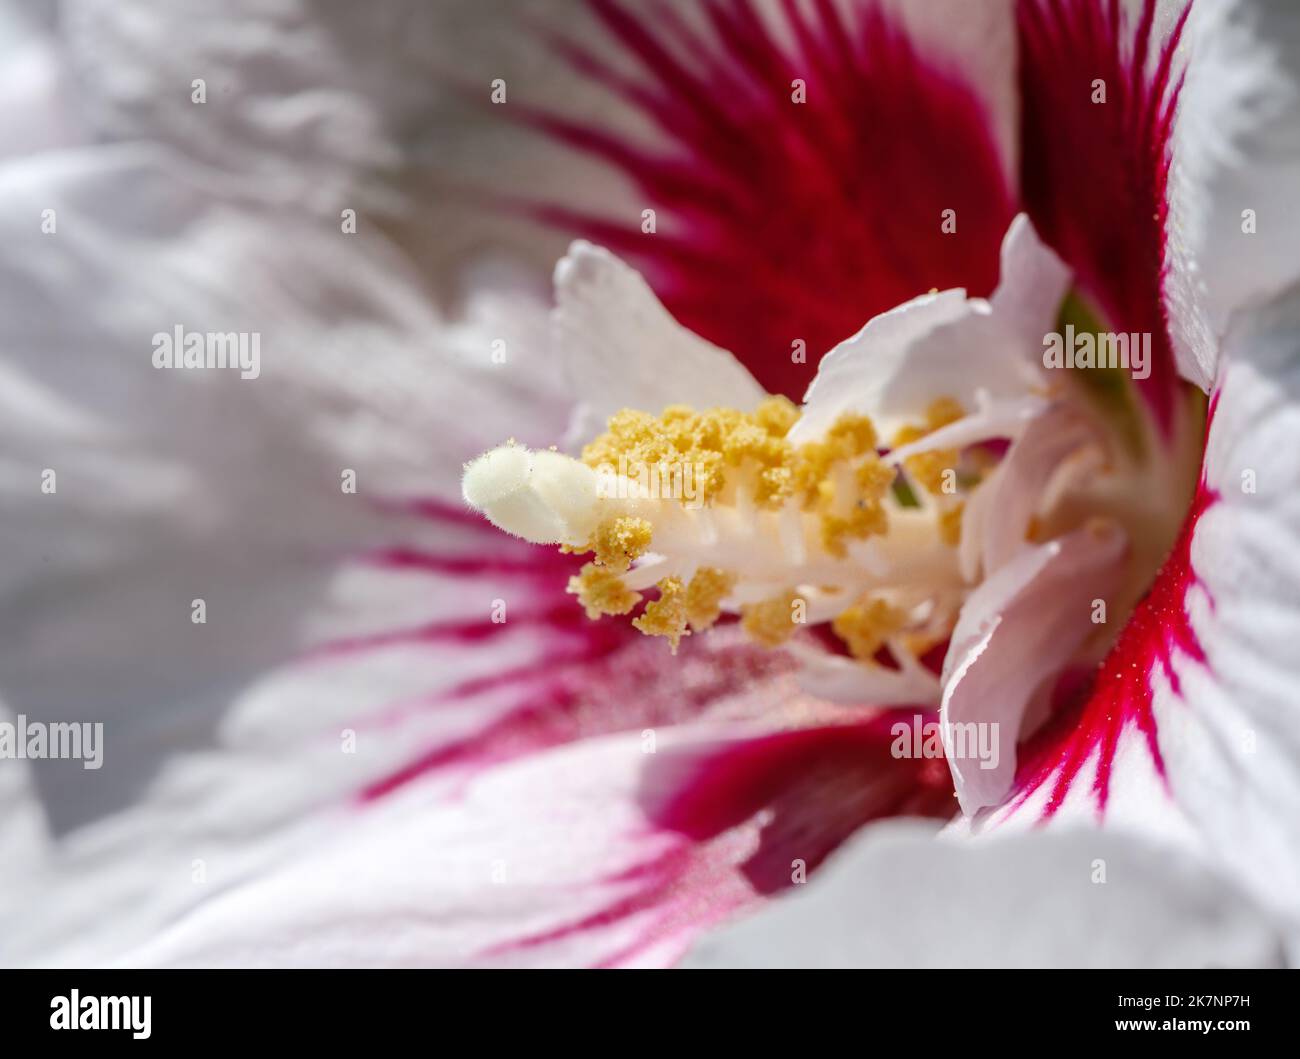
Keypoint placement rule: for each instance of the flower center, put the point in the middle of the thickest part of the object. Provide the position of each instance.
(719, 510)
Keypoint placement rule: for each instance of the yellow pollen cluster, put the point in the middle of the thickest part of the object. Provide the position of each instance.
(874, 478)
(942, 411)
(618, 541)
(777, 415)
(950, 524)
(839, 478)
(843, 479)
(705, 444)
(704, 596)
(863, 521)
(927, 468)
(666, 616)
(698, 605)
(851, 436)
(773, 621)
(865, 626)
(601, 591)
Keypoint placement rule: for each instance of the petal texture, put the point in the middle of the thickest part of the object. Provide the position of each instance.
(1099, 88)
(974, 350)
(1018, 629)
(1237, 161)
(1229, 723)
(894, 897)
(620, 347)
(768, 126)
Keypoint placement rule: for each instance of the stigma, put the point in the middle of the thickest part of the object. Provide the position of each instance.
(689, 515)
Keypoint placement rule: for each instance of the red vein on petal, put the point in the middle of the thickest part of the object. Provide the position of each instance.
(608, 687)
(818, 785)
(678, 894)
(744, 813)
(830, 210)
(1121, 695)
(1094, 175)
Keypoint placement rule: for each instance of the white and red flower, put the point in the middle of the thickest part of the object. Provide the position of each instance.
(352, 762)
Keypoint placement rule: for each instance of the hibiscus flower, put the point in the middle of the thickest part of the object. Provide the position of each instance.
(858, 602)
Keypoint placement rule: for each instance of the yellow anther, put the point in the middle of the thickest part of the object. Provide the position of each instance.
(874, 477)
(812, 466)
(865, 626)
(813, 501)
(667, 615)
(865, 520)
(851, 436)
(710, 445)
(618, 541)
(720, 444)
(777, 415)
(704, 596)
(773, 621)
(918, 644)
(907, 434)
(950, 524)
(855, 434)
(928, 469)
(773, 486)
(601, 591)
(942, 411)
(749, 441)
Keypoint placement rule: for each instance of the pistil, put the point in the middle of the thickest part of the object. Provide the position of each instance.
(719, 512)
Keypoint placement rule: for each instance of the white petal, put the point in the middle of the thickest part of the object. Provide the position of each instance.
(1231, 736)
(23, 837)
(944, 344)
(1000, 418)
(845, 680)
(620, 348)
(1236, 148)
(221, 741)
(39, 110)
(543, 849)
(1031, 282)
(1224, 777)
(335, 107)
(1015, 631)
(861, 373)
(356, 366)
(896, 897)
(999, 514)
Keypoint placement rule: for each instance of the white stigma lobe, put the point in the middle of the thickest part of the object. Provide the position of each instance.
(542, 496)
